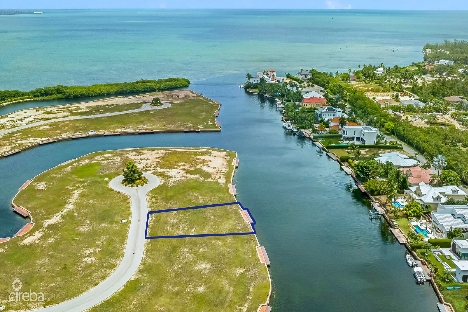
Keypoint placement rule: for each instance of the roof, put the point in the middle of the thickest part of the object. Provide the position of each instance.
(312, 94)
(271, 70)
(417, 175)
(314, 100)
(461, 264)
(388, 102)
(429, 194)
(416, 103)
(397, 159)
(448, 221)
(351, 124)
(453, 98)
(463, 243)
(336, 127)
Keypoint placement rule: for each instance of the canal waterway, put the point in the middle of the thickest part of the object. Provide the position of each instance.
(326, 254)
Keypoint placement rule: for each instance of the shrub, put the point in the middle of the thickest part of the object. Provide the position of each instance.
(441, 242)
(344, 158)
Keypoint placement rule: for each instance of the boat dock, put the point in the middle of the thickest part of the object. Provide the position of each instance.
(25, 184)
(348, 170)
(25, 229)
(262, 254)
(378, 208)
(232, 189)
(399, 235)
(21, 211)
(264, 308)
(235, 162)
(246, 216)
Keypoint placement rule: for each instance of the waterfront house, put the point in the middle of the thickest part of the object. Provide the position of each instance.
(311, 94)
(304, 75)
(379, 71)
(327, 113)
(314, 102)
(417, 175)
(397, 159)
(315, 88)
(387, 102)
(433, 196)
(415, 103)
(444, 62)
(453, 99)
(449, 217)
(360, 134)
(459, 248)
(336, 122)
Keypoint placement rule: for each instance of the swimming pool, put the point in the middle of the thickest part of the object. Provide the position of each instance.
(421, 231)
(397, 205)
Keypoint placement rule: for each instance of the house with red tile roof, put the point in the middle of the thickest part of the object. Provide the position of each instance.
(314, 102)
(417, 175)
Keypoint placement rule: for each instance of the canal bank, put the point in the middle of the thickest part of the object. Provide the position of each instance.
(325, 253)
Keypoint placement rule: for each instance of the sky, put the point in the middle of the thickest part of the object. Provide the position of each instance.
(238, 4)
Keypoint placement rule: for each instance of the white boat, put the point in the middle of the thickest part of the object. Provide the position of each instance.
(37, 12)
(287, 126)
(410, 261)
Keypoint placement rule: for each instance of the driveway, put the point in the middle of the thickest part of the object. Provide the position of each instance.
(133, 251)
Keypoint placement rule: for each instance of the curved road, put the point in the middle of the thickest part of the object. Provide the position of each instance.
(144, 107)
(133, 251)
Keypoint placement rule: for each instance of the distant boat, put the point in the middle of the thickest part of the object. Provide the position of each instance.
(287, 126)
(37, 12)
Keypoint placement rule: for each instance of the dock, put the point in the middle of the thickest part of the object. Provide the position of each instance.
(4, 240)
(235, 162)
(25, 229)
(348, 171)
(232, 189)
(246, 216)
(21, 211)
(378, 208)
(25, 184)
(332, 156)
(264, 308)
(399, 235)
(262, 254)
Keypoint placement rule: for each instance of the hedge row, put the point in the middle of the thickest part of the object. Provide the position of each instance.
(441, 242)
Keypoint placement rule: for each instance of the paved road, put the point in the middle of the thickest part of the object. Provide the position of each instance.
(144, 107)
(133, 251)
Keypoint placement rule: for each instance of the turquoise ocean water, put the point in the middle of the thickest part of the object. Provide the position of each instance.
(326, 254)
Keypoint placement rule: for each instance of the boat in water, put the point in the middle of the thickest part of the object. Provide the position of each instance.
(37, 12)
(410, 260)
(287, 126)
(419, 275)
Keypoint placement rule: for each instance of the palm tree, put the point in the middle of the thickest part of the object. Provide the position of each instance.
(439, 163)
(248, 76)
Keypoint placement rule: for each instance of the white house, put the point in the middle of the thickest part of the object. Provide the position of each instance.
(444, 62)
(311, 94)
(362, 134)
(459, 248)
(379, 71)
(450, 217)
(304, 75)
(327, 113)
(433, 196)
(397, 159)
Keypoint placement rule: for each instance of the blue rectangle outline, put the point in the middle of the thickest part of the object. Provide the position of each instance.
(252, 224)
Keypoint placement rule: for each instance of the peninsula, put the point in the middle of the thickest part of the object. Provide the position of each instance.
(81, 227)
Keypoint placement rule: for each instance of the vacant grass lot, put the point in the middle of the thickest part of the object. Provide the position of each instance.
(79, 239)
(192, 113)
(199, 221)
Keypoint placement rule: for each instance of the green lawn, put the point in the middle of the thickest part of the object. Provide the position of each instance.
(404, 225)
(78, 238)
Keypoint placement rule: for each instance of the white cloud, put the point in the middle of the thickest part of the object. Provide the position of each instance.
(336, 5)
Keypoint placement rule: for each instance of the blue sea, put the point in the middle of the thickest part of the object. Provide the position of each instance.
(326, 254)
